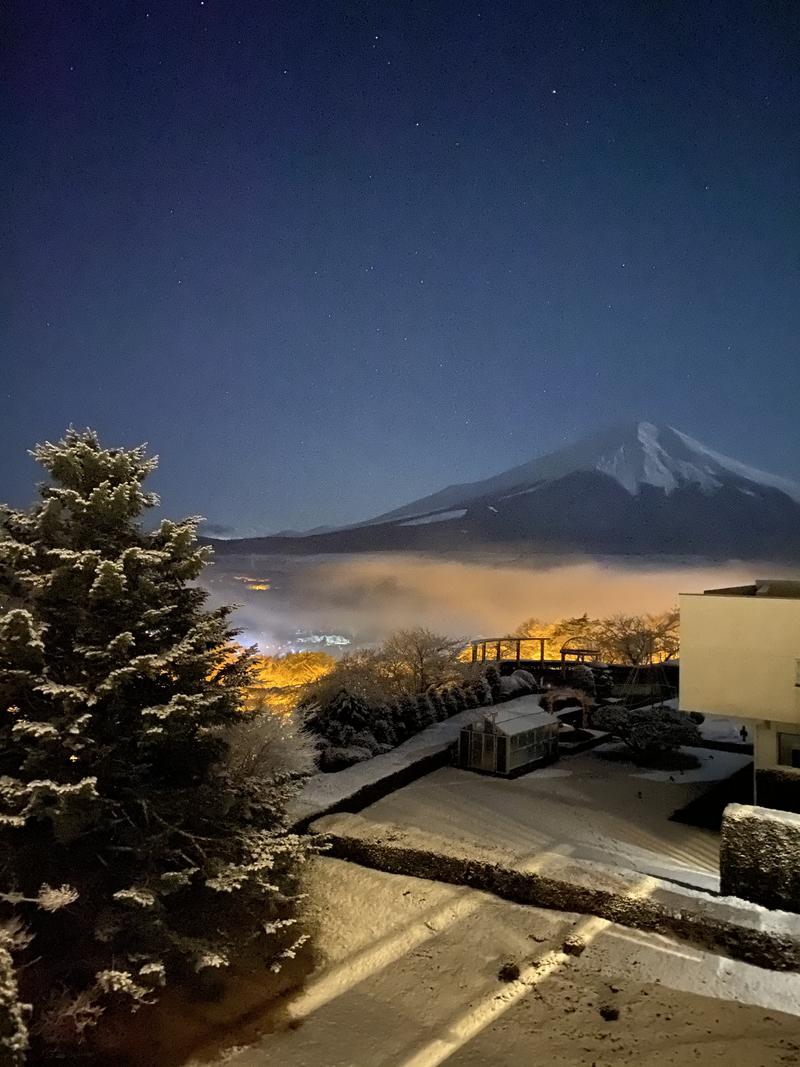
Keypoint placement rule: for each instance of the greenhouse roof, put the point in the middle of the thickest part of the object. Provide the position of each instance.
(520, 715)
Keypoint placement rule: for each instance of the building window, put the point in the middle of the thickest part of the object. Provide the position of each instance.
(789, 749)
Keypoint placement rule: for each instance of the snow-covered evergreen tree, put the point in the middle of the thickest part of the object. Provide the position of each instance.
(437, 703)
(407, 713)
(339, 720)
(425, 712)
(398, 711)
(483, 692)
(493, 681)
(117, 693)
(451, 702)
(383, 727)
(459, 697)
(470, 696)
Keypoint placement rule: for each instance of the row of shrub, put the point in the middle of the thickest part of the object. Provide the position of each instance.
(349, 730)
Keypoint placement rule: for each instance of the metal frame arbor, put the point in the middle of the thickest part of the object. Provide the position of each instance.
(498, 642)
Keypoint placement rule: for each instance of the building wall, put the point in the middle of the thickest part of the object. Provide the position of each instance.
(739, 658)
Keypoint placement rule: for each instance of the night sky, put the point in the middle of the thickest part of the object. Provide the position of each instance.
(327, 256)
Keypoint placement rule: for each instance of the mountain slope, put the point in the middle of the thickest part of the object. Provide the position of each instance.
(637, 488)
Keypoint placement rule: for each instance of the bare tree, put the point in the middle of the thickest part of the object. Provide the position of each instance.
(418, 658)
(631, 639)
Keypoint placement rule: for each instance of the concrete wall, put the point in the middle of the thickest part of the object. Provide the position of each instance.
(759, 857)
(739, 658)
(740, 929)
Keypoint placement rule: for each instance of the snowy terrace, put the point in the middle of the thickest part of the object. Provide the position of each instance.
(587, 808)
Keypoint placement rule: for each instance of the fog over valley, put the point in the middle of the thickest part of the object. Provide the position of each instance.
(287, 602)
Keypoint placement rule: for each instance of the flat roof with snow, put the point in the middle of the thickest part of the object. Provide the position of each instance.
(777, 588)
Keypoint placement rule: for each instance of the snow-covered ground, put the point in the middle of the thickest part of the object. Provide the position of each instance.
(409, 978)
(607, 812)
(324, 791)
(716, 728)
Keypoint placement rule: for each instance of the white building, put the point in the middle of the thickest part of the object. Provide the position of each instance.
(740, 658)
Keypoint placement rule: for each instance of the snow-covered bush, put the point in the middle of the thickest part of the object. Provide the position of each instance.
(264, 743)
(525, 680)
(648, 731)
(406, 711)
(509, 685)
(778, 787)
(580, 676)
(603, 682)
(333, 758)
(759, 856)
(119, 783)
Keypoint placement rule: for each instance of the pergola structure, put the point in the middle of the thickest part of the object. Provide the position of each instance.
(496, 646)
(580, 655)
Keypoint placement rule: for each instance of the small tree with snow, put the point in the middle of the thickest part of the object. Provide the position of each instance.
(648, 732)
(118, 695)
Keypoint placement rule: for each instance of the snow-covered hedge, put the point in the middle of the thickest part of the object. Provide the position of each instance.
(778, 787)
(759, 856)
(740, 931)
(348, 731)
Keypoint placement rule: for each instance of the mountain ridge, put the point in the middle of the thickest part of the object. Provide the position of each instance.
(633, 487)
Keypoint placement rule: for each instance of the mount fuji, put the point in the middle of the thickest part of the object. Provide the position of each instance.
(636, 489)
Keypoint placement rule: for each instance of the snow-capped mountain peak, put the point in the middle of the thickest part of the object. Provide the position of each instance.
(634, 455)
(636, 489)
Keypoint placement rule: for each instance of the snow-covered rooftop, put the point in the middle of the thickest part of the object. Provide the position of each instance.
(781, 588)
